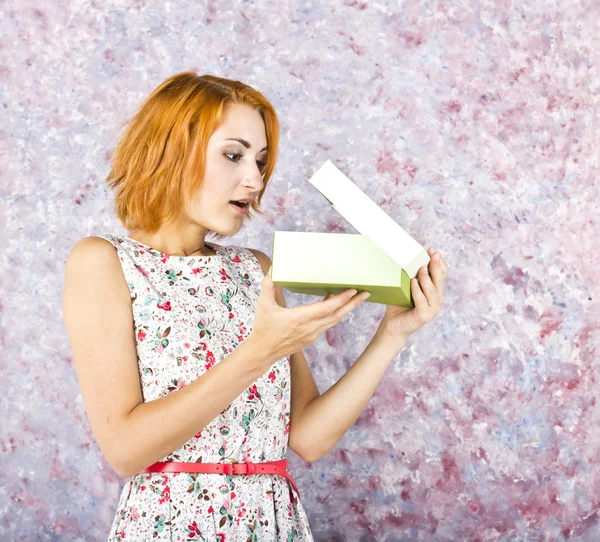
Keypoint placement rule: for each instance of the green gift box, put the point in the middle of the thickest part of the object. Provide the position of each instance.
(382, 259)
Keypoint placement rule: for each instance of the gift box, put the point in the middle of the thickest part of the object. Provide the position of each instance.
(381, 259)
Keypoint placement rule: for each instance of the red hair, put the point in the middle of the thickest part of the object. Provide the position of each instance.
(160, 159)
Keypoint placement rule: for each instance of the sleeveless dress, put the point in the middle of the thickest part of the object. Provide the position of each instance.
(189, 313)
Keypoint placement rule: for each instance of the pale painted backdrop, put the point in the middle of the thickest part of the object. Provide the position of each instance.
(473, 124)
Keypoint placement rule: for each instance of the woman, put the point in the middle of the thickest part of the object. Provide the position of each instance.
(190, 365)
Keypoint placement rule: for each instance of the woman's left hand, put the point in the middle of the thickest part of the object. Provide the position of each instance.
(428, 295)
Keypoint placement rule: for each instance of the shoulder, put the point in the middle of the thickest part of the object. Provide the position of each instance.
(91, 272)
(264, 260)
(90, 251)
(90, 246)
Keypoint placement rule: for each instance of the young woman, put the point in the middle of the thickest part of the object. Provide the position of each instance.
(190, 365)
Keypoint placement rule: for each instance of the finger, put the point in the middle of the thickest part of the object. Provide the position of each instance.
(437, 273)
(341, 312)
(427, 287)
(437, 270)
(437, 258)
(324, 309)
(418, 295)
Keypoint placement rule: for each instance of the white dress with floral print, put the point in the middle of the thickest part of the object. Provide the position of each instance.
(189, 313)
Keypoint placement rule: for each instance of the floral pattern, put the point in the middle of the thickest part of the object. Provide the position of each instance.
(190, 312)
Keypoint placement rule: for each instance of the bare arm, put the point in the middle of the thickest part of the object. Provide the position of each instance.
(99, 321)
(303, 386)
(159, 427)
(326, 419)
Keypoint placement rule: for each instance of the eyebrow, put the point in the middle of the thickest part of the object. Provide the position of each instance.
(243, 142)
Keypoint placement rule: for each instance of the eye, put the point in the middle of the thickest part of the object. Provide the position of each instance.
(228, 154)
(260, 163)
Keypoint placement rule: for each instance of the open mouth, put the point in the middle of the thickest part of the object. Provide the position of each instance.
(240, 206)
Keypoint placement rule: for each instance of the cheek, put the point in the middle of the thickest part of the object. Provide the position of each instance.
(210, 205)
(207, 197)
(214, 192)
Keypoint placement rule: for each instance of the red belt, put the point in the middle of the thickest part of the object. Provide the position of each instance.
(272, 467)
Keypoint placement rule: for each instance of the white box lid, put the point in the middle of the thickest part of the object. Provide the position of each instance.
(369, 219)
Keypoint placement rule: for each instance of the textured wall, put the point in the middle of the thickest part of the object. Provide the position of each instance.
(473, 124)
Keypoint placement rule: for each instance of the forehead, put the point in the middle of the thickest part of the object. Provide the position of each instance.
(244, 122)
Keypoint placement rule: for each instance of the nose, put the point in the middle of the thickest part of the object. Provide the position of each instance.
(253, 179)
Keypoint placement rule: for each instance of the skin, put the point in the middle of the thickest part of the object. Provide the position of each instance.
(113, 394)
(320, 420)
(428, 294)
(232, 173)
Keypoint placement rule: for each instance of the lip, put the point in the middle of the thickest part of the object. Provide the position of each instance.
(239, 210)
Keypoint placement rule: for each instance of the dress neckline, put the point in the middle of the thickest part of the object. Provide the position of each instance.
(213, 246)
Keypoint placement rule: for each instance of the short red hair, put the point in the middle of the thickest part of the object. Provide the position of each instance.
(170, 131)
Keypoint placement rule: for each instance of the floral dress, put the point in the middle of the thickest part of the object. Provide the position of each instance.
(190, 312)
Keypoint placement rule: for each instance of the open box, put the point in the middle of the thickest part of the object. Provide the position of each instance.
(382, 259)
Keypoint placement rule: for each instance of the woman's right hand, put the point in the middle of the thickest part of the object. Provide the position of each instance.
(279, 331)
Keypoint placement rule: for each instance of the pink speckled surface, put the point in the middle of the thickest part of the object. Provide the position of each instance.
(474, 124)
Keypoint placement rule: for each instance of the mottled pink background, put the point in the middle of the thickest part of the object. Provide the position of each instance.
(474, 125)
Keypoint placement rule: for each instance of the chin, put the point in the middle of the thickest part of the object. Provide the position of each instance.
(231, 230)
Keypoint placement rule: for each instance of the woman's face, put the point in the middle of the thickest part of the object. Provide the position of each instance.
(233, 171)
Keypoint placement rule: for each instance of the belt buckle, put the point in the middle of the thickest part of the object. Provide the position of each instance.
(243, 468)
